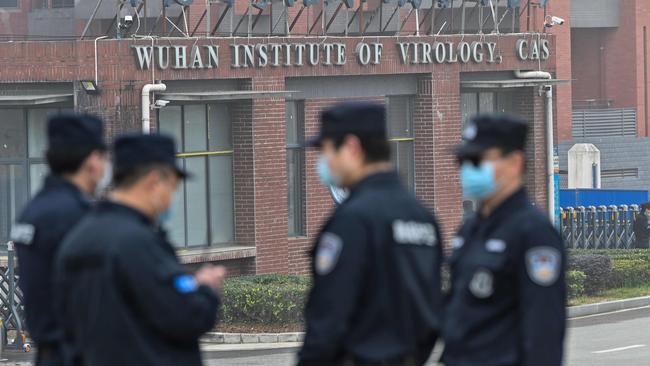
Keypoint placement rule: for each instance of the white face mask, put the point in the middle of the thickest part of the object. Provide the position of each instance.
(106, 179)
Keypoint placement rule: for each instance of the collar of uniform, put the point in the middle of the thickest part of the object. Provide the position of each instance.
(54, 181)
(127, 210)
(511, 204)
(382, 178)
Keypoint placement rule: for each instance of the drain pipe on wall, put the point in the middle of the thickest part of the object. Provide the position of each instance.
(550, 153)
(96, 66)
(550, 171)
(146, 104)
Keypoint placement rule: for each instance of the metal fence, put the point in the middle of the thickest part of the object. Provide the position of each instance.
(602, 227)
(12, 312)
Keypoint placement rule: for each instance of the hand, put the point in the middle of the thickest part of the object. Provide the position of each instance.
(211, 276)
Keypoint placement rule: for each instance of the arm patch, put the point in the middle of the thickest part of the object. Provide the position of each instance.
(22, 233)
(543, 265)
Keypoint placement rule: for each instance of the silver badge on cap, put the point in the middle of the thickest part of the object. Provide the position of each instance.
(470, 132)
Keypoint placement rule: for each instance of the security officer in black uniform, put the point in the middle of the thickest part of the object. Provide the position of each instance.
(126, 298)
(506, 305)
(376, 262)
(76, 157)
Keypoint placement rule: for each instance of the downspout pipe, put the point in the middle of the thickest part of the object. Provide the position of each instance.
(96, 66)
(532, 74)
(146, 104)
(550, 169)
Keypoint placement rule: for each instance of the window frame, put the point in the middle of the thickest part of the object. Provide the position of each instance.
(17, 6)
(396, 142)
(25, 162)
(206, 155)
(300, 209)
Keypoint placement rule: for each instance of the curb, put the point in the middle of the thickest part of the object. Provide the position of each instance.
(252, 338)
(607, 307)
(297, 337)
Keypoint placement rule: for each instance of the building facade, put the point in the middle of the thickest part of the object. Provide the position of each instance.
(240, 108)
(607, 46)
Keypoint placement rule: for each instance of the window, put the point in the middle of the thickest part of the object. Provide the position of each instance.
(295, 121)
(472, 103)
(23, 140)
(402, 137)
(203, 208)
(62, 3)
(619, 173)
(8, 3)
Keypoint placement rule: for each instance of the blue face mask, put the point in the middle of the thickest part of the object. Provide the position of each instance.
(324, 173)
(165, 216)
(477, 182)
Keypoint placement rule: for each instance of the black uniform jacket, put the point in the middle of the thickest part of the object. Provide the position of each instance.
(376, 267)
(507, 300)
(38, 233)
(125, 298)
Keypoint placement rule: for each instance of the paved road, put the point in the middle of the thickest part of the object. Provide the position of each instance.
(619, 339)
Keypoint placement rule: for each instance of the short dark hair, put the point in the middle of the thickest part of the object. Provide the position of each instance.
(376, 148)
(126, 177)
(68, 159)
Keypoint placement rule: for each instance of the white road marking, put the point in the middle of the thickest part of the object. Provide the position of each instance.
(621, 348)
(610, 313)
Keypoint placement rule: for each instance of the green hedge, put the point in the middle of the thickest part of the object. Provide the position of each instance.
(629, 273)
(615, 254)
(268, 299)
(596, 267)
(609, 268)
(575, 283)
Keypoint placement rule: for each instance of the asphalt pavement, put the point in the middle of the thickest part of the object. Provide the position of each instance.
(620, 339)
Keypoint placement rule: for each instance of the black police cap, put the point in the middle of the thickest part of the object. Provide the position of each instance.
(351, 118)
(75, 129)
(487, 131)
(132, 151)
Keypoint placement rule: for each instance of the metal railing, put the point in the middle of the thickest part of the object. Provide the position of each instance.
(12, 312)
(602, 227)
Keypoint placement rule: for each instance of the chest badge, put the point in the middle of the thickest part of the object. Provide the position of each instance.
(482, 283)
(543, 265)
(495, 246)
(327, 253)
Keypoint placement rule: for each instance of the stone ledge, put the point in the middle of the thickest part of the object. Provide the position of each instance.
(203, 255)
(607, 307)
(248, 338)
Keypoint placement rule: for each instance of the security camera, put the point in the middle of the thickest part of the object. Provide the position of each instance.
(557, 20)
(127, 22)
(160, 103)
(553, 20)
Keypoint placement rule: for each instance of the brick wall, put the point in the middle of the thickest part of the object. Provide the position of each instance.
(530, 105)
(563, 48)
(259, 159)
(437, 131)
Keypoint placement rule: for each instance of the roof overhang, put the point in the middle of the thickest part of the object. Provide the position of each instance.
(20, 100)
(510, 83)
(223, 95)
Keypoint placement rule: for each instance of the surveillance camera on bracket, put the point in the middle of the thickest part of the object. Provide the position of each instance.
(550, 21)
